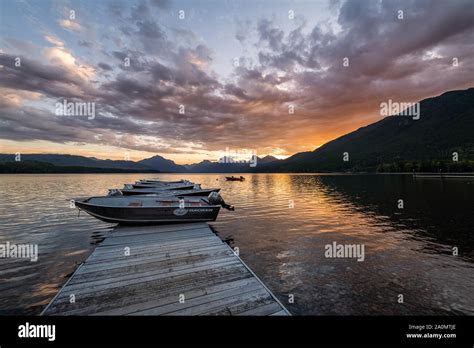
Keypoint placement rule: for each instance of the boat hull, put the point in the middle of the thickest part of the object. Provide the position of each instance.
(149, 215)
(163, 182)
(164, 187)
(133, 192)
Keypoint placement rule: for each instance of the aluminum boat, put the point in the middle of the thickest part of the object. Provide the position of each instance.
(153, 190)
(152, 209)
(165, 186)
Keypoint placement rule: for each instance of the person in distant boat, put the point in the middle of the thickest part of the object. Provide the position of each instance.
(233, 178)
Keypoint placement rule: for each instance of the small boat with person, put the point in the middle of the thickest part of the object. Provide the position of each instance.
(232, 178)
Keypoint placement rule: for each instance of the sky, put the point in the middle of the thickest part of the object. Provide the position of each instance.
(189, 79)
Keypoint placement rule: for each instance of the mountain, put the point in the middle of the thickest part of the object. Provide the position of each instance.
(446, 125)
(224, 167)
(155, 164)
(200, 167)
(162, 164)
(267, 159)
(79, 161)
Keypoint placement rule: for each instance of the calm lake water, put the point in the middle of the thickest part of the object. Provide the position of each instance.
(281, 226)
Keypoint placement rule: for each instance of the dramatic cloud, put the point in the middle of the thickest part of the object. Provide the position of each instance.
(159, 84)
(70, 25)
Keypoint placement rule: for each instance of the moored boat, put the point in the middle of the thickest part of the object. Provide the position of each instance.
(182, 186)
(153, 190)
(152, 209)
(156, 181)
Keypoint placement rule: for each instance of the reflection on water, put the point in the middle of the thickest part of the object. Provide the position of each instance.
(281, 226)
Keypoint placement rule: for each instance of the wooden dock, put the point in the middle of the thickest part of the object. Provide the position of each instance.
(180, 269)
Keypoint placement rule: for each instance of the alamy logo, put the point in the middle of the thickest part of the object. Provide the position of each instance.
(243, 156)
(75, 109)
(37, 331)
(21, 251)
(390, 108)
(336, 250)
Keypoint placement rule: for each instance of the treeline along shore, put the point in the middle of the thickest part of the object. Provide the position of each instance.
(427, 166)
(33, 167)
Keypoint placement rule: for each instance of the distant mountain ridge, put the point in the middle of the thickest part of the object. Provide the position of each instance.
(73, 160)
(162, 164)
(207, 166)
(155, 163)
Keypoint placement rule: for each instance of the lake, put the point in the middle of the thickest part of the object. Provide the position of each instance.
(282, 225)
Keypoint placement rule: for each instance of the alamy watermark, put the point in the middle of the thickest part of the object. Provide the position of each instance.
(37, 331)
(75, 109)
(239, 156)
(20, 251)
(336, 250)
(390, 108)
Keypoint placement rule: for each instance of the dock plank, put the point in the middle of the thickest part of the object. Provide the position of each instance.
(162, 264)
(140, 292)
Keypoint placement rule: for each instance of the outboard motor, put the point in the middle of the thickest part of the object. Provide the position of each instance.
(114, 193)
(215, 198)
